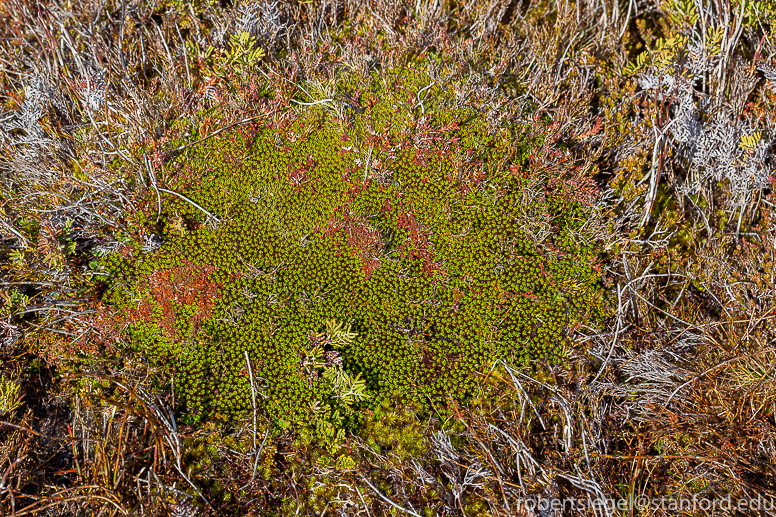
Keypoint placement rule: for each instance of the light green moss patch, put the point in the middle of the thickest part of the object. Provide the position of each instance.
(405, 219)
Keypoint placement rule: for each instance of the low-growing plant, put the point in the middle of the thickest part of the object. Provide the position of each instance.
(407, 224)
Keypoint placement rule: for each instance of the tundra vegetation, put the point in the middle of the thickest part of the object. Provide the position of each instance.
(433, 258)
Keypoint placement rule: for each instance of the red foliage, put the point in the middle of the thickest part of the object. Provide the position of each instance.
(169, 289)
(363, 240)
(418, 245)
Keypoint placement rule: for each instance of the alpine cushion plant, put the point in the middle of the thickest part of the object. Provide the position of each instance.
(407, 217)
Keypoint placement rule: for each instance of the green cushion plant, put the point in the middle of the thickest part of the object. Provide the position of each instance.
(404, 218)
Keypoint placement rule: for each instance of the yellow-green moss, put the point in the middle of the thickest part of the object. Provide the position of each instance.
(405, 219)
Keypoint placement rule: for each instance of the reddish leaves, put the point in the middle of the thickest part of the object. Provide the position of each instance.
(168, 290)
(418, 244)
(363, 240)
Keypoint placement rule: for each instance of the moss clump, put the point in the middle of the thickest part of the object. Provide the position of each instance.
(407, 219)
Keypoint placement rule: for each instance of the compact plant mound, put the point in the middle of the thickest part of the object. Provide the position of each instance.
(390, 246)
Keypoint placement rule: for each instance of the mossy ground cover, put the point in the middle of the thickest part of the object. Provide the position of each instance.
(407, 217)
(342, 258)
